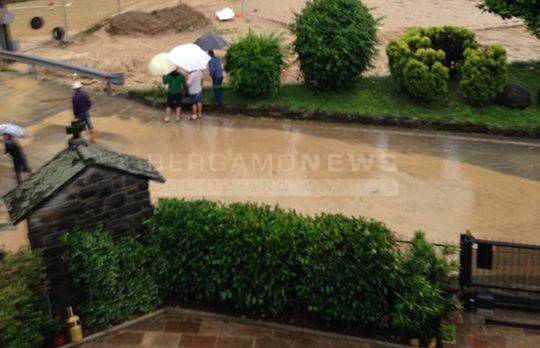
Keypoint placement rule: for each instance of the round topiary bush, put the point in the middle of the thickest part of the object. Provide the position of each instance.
(424, 59)
(254, 65)
(335, 42)
(483, 75)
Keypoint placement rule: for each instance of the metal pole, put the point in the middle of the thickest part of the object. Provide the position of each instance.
(465, 260)
(65, 21)
(245, 9)
(119, 3)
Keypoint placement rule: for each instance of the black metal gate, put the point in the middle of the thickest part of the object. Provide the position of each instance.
(510, 271)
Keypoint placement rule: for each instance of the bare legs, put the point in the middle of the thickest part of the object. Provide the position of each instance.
(168, 112)
(196, 110)
(167, 117)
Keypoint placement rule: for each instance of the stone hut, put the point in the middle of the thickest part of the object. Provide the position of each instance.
(84, 187)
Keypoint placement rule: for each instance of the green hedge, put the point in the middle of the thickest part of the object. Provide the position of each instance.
(113, 279)
(335, 41)
(424, 59)
(24, 320)
(254, 64)
(264, 261)
(484, 75)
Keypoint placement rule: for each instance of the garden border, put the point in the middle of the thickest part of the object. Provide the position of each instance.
(348, 118)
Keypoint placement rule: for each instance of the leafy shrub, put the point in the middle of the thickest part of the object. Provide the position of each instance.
(113, 279)
(424, 59)
(254, 65)
(335, 42)
(347, 269)
(264, 261)
(483, 75)
(421, 301)
(24, 320)
(240, 255)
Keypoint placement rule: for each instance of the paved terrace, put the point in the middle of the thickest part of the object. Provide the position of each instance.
(177, 328)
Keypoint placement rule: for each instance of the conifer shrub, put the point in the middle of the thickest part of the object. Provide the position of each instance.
(484, 75)
(335, 41)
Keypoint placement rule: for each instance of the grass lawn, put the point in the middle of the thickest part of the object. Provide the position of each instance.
(378, 96)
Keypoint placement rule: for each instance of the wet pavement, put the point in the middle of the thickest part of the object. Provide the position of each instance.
(177, 328)
(439, 182)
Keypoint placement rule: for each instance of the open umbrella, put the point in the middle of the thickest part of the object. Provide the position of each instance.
(13, 129)
(211, 42)
(189, 57)
(160, 65)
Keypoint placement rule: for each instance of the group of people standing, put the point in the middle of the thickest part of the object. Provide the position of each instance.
(179, 83)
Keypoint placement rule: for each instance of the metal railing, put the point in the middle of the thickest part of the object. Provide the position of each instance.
(110, 79)
(510, 271)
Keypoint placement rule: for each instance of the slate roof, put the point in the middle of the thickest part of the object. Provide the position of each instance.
(66, 166)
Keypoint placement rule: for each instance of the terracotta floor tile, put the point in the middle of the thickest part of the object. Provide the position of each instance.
(350, 344)
(312, 342)
(154, 324)
(218, 328)
(194, 341)
(531, 332)
(273, 342)
(182, 326)
(126, 338)
(161, 340)
(471, 329)
(484, 341)
(504, 331)
(235, 342)
(250, 330)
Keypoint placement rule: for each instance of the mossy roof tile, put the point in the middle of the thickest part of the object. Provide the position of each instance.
(65, 167)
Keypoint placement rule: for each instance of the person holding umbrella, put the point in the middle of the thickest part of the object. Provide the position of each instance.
(194, 59)
(216, 73)
(176, 82)
(81, 108)
(210, 43)
(14, 149)
(195, 88)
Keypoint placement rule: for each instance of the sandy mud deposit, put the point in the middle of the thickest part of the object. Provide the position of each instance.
(131, 51)
(174, 19)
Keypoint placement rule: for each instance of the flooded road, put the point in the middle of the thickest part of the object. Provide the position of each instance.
(441, 183)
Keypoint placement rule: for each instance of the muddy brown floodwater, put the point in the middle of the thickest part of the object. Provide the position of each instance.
(441, 183)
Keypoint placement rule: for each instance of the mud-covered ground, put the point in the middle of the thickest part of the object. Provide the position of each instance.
(131, 54)
(441, 183)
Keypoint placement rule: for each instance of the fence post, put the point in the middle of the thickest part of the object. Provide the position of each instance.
(65, 22)
(465, 259)
(245, 10)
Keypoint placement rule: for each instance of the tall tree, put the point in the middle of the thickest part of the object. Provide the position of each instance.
(528, 10)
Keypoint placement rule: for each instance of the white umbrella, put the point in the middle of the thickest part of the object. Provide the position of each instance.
(13, 129)
(189, 57)
(160, 65)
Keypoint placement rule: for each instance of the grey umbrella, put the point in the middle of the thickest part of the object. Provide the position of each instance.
(211, 42)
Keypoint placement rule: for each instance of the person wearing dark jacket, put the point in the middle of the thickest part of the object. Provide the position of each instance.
(13, 148)
(216, 73)
(81, 108)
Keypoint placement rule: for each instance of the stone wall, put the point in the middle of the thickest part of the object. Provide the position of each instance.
(99, 198)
